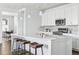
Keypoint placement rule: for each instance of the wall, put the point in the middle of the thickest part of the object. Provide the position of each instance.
(11, 23)
(0, 29)
(20, 26)
(32, 24)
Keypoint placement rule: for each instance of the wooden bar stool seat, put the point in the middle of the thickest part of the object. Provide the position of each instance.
(26, 42)
(36, 45)
(18, 40)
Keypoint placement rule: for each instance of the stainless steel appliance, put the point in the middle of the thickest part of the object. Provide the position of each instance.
(60, 22)
(63, 30)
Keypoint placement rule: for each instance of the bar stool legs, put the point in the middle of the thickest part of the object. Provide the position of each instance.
(26, 42)
(42, 50)
(29, 49)
(24, 48)
(35, 51)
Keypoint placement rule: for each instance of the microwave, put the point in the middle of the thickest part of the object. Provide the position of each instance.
(60, 22)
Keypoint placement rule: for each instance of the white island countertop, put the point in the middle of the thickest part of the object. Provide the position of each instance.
(34, 37)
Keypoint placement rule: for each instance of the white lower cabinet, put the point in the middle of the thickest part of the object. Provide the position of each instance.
(75, 44)
(61, 47)
(58, 50)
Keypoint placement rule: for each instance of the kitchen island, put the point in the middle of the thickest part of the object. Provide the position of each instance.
(51, 45)
(75, 41)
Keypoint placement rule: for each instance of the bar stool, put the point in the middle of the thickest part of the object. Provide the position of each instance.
(26, 42)
(19, 44)
(36, 45)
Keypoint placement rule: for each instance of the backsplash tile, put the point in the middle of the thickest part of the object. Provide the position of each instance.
(73, 28)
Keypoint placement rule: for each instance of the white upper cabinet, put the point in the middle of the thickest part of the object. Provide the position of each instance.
(59, 13)
(68, 14)
(71, 15)
(45, 19)
(75, 14)
(51, 17)
(48, 18)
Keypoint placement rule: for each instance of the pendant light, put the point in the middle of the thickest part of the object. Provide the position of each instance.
(40, 13)
(29, 16)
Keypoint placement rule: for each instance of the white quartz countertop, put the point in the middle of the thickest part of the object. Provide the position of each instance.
(34, 37)
(72, 35)
(48, 38)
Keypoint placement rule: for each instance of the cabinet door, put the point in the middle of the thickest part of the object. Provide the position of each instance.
(73, 43)
(77, 42)
(58, 50)
(74, 15)
(68, 47)
(48, 18)
(59, 13)
(51, 17)
(45, 19)
(68, 14)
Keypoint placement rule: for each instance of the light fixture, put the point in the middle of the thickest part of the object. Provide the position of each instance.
(40, 13)
(21, 18)
(29, 16)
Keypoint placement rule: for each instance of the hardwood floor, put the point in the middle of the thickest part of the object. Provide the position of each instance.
(0, 48)
(21, 53)
(6, 47)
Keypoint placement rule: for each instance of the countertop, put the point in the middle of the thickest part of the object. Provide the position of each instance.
(47, 38)
(34, 37)
(71, 35)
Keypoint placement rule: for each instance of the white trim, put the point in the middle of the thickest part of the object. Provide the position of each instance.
(9, 13)
(23, 9)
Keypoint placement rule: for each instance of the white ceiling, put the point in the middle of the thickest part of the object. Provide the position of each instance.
(37, 6)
